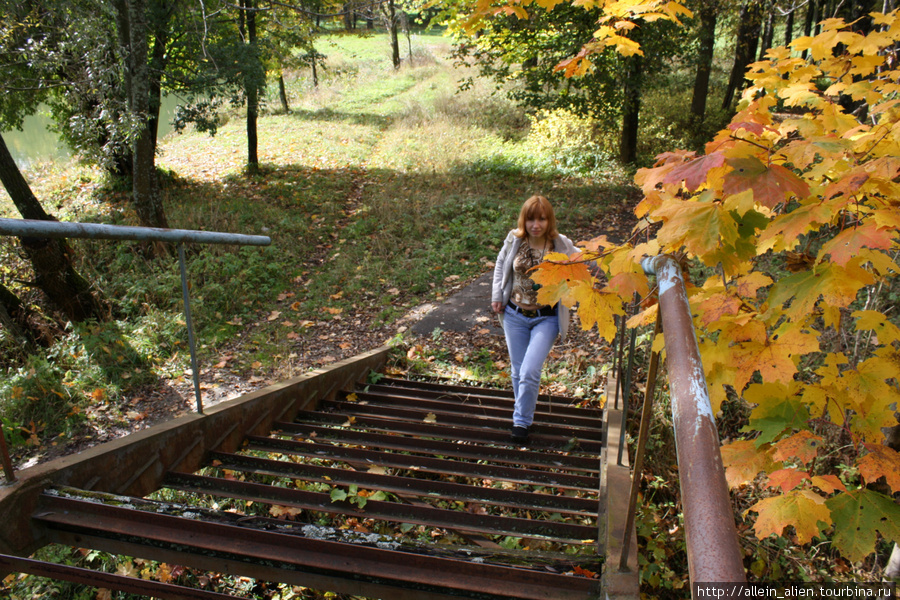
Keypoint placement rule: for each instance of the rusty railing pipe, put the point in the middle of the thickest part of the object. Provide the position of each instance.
(714, 555)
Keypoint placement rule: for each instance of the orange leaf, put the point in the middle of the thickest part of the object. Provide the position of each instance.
(557, 277)
(694, 172)
(846, 245)
(773, 357)
(771, 184)
(881, 461)
(803, 445)
(803, 509)
(625, 285)
(748, 285)
(828, 483)
(787, 479)
(717, 306)
(584, 572)
(785, 230)
(744, 461)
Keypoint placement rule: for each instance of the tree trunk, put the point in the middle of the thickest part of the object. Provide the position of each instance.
(631, 108)
(745, 47)
(349, 22)
(789, 27)
(51, 259)
(131, 18)
(768, 30)
(17, 319)
(409, 56)
(282, 94)
(808, 20)
(707, 39)
(390, 22)
(252, 91)
(158, 63)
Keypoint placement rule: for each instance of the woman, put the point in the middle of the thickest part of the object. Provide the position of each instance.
(530, 328)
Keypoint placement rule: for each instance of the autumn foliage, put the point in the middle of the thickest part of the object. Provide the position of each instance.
(794, 212)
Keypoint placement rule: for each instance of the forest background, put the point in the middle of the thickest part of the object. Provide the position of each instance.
(348, 138)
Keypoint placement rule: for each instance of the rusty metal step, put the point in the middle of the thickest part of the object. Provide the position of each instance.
(299, 554)
(377, 461)
(456, 448)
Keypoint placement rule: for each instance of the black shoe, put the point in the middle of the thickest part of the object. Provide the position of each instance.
(519, 434)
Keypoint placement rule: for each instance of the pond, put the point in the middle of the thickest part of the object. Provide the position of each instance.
(38, 143)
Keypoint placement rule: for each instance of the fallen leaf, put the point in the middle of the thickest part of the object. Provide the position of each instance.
(430, 418)
(284, 512)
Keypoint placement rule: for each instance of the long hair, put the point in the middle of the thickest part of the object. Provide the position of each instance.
(535, 207)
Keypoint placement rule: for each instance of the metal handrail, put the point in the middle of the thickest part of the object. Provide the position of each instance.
(55, 229)
(713, 551)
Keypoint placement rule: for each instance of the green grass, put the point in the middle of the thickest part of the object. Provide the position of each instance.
(380, 190)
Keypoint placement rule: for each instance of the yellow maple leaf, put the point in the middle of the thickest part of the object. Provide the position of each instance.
(872, 320)
(164, 573)
(596, 307)
(774, 358)
(803, 509)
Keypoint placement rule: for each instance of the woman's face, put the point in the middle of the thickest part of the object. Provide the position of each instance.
(536, 226)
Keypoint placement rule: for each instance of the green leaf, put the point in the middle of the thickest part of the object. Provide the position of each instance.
(780, 417)
(338, 495)
(859, 516)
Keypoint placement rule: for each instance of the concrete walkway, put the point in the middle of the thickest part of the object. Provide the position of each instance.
(467, 308)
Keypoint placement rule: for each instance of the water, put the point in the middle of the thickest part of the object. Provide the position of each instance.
(38, 143)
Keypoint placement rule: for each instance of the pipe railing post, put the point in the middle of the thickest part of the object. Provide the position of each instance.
(97, 231)
(643, 434)
(190, 328)
(714, 555)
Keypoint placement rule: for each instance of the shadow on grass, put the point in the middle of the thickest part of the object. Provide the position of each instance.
(327, 115)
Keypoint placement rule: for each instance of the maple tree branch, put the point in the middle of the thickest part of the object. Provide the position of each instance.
(737, 138)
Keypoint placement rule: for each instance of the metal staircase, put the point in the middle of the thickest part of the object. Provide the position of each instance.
(396, 489)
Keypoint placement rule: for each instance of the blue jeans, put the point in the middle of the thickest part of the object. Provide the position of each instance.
(529, 341)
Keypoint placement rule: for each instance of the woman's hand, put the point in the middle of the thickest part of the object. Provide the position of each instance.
(496, 307)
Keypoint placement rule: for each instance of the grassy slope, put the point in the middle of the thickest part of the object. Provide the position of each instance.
(378, 197)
